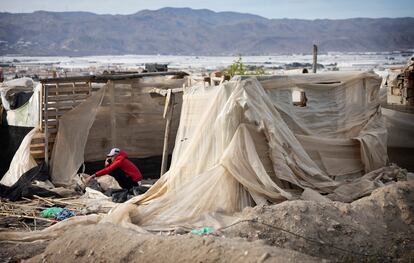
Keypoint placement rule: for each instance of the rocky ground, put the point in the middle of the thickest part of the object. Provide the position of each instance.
(376, 228)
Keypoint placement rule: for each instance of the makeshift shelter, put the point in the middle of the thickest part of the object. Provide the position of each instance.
(246, 142)
(250, 142)
(100, 112)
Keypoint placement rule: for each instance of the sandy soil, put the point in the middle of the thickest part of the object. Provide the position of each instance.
(106, 242)
(15, 251)
(377, 228)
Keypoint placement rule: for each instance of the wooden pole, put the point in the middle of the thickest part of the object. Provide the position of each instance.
(45, 101)
(168, 114)
(315, 58)
(111, 87)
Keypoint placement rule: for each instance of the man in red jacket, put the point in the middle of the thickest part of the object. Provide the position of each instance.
(123, 170)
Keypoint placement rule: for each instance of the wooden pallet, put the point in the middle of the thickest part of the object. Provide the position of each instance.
(57, 98)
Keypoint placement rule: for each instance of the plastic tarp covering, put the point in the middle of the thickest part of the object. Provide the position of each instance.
(131, 119)
(11, 138)
(124, 116)
(28, 114)
(12, 86)
(400, 126)
(21, 162)
(74, 126)
(244, 143)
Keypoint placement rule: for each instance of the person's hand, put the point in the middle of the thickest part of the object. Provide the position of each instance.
(89, 178)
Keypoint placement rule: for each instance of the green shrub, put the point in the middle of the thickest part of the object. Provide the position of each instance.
(239, 68)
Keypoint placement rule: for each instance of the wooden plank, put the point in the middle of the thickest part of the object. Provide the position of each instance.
(55, 92)
(38, 136)
(37, 152)
(64, 104)
(38, 155)
(68, 85)
(52, 130)
(68, 97)
(169, 102)
(50, 122)
(60, 112)
(37, 146)
(69, 92)
(45, 102)
(42, 141)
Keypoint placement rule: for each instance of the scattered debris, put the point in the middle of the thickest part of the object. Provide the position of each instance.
(28, 214)
(202, 231)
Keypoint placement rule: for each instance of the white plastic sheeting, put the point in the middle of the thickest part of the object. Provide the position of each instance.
(11, 86)
(28, 114)
(21, 162)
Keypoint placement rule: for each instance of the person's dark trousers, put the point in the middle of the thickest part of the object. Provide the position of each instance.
(123, 179)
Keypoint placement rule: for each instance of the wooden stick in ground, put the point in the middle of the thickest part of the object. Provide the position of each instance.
(315, 58)
(168, 114)
(44, 199)
(57, 201)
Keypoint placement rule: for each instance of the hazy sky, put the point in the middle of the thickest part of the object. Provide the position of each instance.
(307, 9)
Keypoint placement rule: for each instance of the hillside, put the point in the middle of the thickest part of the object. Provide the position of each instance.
(187, 31)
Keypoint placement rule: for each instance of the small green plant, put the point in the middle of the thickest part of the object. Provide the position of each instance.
(239, 68)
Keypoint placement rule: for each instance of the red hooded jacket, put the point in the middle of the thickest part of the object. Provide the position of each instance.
(121, 161)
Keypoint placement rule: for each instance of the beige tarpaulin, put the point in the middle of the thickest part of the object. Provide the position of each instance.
(68, 151)
(131, 119)
(245, 142)
(400, 126)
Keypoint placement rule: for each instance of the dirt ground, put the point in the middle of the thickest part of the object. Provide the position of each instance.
(106, 242)
(377, 228)
(15, 252)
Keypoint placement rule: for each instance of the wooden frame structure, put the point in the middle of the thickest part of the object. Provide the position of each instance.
(60, 95)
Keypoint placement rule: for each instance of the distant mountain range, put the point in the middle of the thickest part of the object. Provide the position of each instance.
(185, 31)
